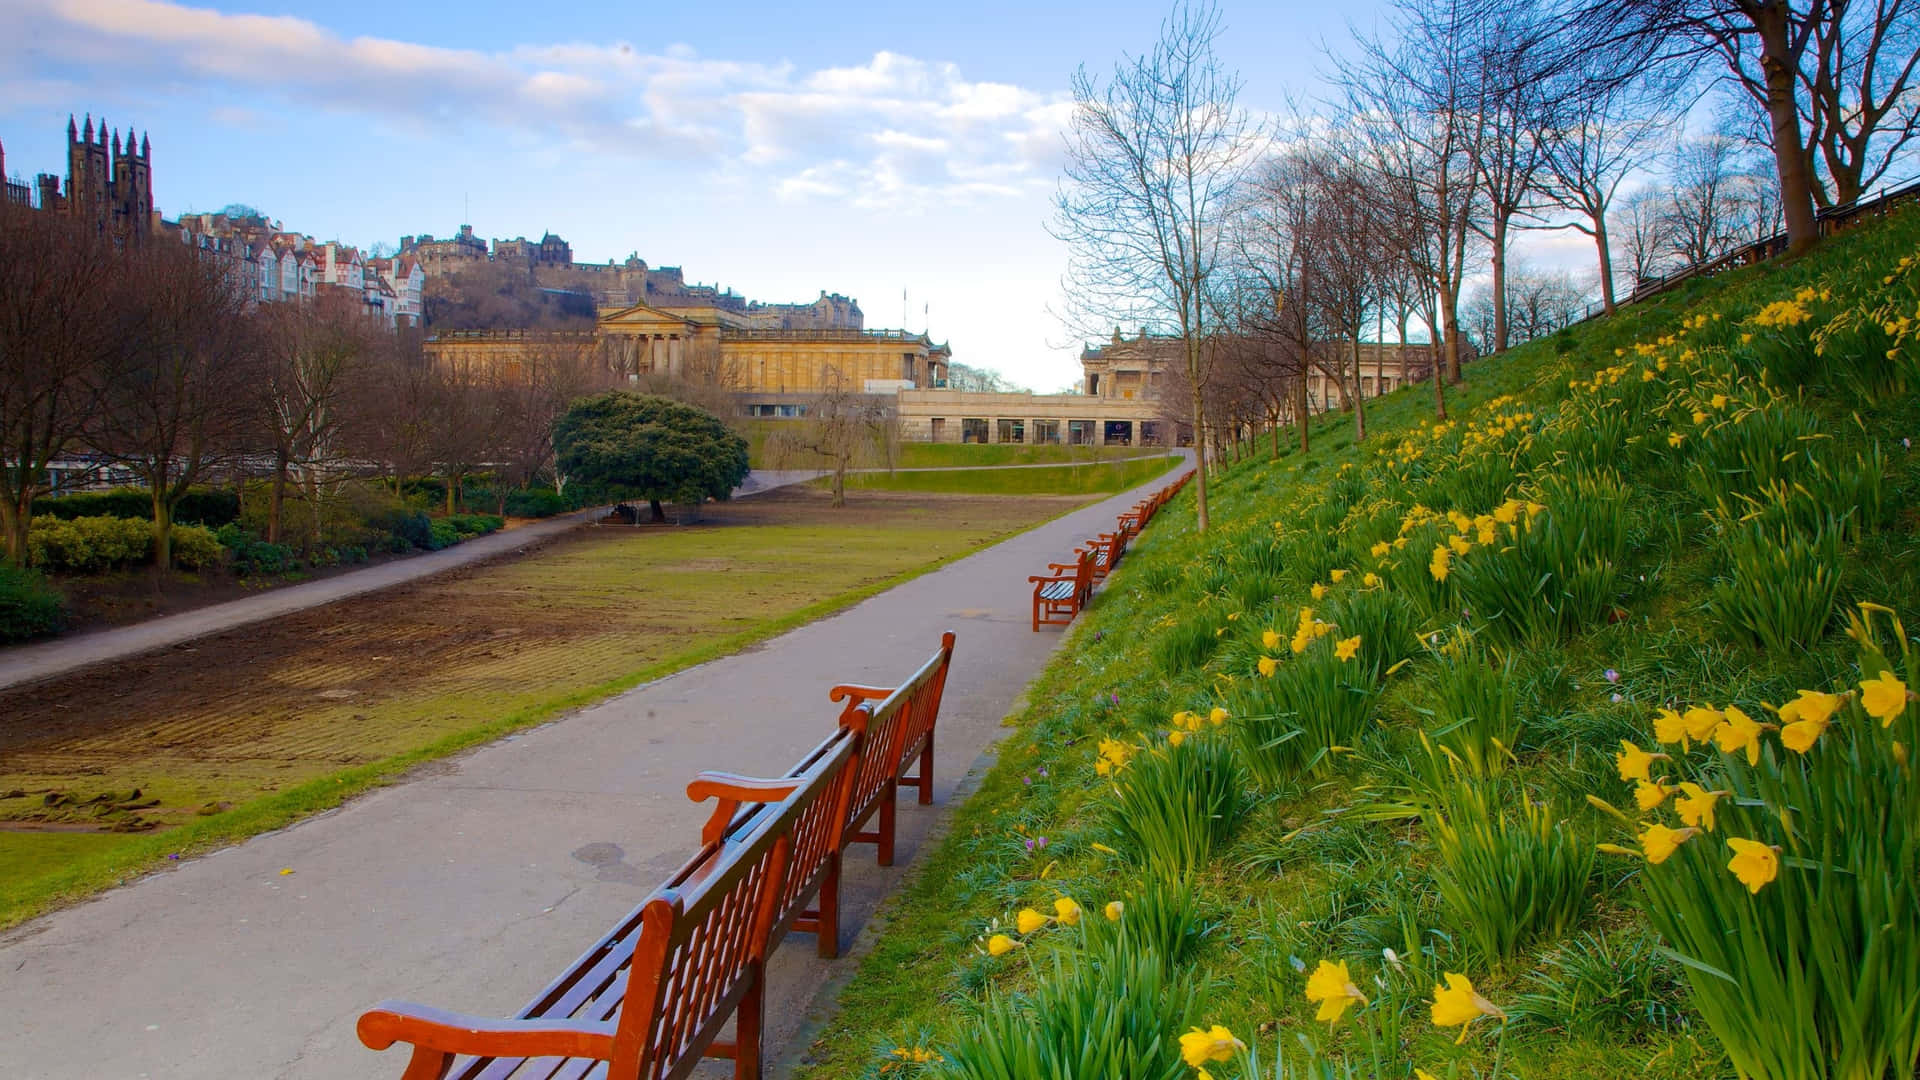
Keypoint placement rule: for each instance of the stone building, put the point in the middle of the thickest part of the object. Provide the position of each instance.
(109, 185)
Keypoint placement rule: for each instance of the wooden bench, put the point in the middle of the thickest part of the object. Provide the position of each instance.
(651, 998)
(1107, 550)
(1057, 599)
(892, 729)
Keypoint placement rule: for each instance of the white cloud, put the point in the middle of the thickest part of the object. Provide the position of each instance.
(897, 131)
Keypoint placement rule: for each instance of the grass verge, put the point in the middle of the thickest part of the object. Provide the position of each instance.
(1092, 478)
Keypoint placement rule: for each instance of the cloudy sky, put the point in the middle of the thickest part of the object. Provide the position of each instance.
(778, 148)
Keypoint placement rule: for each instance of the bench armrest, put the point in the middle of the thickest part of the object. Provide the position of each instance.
(731, 790)
(1038, 580)
(439, 1032)
(859, 693)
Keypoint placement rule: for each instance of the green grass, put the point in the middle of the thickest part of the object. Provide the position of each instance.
(916, 455)
(1094, 478)
(270, 752)
(1340, 865)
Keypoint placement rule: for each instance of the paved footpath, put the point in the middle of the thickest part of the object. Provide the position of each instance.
(472, 883)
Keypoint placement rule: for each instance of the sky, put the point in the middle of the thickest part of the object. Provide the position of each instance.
(780, 149)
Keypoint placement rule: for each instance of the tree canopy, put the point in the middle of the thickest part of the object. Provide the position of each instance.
(622, 445)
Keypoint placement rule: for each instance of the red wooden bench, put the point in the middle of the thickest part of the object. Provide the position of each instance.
(1107, 550)
(1057, 599)
(894, 728)
(651, 998)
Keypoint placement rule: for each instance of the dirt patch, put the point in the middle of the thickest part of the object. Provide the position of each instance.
(198, 728)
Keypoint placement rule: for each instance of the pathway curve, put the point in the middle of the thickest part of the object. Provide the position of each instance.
(474, 881)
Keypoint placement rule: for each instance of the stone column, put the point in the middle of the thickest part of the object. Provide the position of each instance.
(677, 354)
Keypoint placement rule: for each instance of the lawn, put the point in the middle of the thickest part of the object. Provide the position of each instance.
(1425, 652)
(1094, 478)
(245, 731)
(954, 455)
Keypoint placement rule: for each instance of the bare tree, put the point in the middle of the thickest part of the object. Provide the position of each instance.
(1423, 106)
(1709, 208)
(57, 325)
(841, 428)
(1859, 101)
(392, 405)
(553, 375)
(1277, 294)
(1594, 138)
(310, 355)
(1641, 233)
(1153, 156)
(172, 400)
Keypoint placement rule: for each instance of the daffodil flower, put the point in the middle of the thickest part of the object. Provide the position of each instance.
(1269, 641)
(1658, 842)
(1332, 988)
(1753, 862)
(1001, 945)
(1884, 697)
(1695, 804)
(1114, 910)
(1635, 763)
(1457, 1004)
(1346, 649)
(1198, 1047)
(1739, 732)
(1029, 920)
(1067, 911)
(1648, 794)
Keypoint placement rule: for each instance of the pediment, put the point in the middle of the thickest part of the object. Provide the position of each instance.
(642, 317)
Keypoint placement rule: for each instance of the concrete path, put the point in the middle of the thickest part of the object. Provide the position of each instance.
(472, 883)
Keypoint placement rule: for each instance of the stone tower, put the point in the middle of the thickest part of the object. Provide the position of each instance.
(109, 187)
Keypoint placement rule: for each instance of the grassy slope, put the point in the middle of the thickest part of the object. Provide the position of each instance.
(1088, 479)
(1297, 883)
(711, 591)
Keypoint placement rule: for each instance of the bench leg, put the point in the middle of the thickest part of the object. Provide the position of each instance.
(886, 822)
(827, 932)
(746, 1030)
(925, 780)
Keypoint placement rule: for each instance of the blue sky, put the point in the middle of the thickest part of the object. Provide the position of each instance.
(781, 149)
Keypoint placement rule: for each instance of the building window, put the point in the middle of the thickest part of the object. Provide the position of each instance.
(1046, 431)
(1082, 432)
(1013, 431)
(973, 430)
(1150, 433)
(939, 429)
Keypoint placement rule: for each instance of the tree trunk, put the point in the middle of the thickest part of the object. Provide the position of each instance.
(840, 482)
(277, 496)
(452, 484)
(1606, 262)
(1300, 409)
(1780, 68)
(1450, 330)
(1360, 395)
(162, 530)
(16, 517)
(1439, 383)
(1200, 447)
(1499, 283)
(659, 514)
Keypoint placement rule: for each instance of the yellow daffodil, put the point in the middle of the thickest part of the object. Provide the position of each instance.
(1332, 988)
(1635, 763)
(1066, 911)
(1702, 721)
(1800, 735)
(1669, 728)
(1507, 512)
(1268, 665)
(1198, 1047)
(1319, 591)
(1175, 738)
(1422, 1074)
(1029, 920)
(1695, 804)
(1811, 705)
(1346, 648)
(1382, 549)
(1371, 581)
(1884, 697)
(1114, 910)
(1753, 862)
(1719, 402)
(1650, 793)
(1001, 945)
(1218, 716)
(1438, 567)
(1460, 544)
(1658, 843)
(1269, 641)
(1457, 1004)
(1337, 576)
(1739, 732)
(1699, 416)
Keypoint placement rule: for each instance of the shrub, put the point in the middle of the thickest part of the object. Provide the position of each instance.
(29, 606)
(196, 547)
(413, 527)
(535, 503)
(211, 507)
(1799, 948)
(1175, 801)
(88, 544)
(442, 534)
(471, 525)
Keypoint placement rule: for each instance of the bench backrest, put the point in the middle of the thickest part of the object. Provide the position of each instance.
(893, 724)
(704, 936)
(817, 832)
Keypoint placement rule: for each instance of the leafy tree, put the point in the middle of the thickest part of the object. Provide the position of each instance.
(623, 445)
